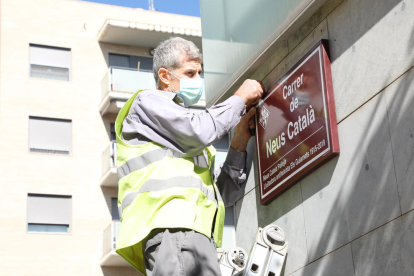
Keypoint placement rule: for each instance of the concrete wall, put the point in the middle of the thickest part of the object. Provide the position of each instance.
(74, 25)
(354, 215)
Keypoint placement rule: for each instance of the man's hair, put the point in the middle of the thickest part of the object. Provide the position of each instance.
(170, 53)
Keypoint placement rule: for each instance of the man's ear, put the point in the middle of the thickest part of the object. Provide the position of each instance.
(165, 77)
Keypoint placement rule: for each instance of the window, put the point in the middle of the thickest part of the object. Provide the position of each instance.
(119, 60)
(114, 208)
(113, 133)
(222, 147)
(133, 62)
(50, 135)
(229, 231)
(49, 62)
(49, 213)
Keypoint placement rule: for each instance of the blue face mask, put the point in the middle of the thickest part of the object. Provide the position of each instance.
(190, 91)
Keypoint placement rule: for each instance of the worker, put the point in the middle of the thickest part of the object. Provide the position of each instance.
(171, 210)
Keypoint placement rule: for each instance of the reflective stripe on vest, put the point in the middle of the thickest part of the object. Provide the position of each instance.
(153, 156)
(201, 160)
(141, 162)
(155, 185)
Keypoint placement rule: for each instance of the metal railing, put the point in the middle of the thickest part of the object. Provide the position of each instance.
(109, 157)
(110, 236)
(119, 79)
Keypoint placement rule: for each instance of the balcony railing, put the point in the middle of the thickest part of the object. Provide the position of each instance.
(109, 174)
(110, 236)
(119, 84)
(131, 80)
(109, 256)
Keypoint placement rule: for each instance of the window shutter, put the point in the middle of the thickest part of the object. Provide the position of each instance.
(49, 56)
(50, 135)
(49, 62)
(49, 209)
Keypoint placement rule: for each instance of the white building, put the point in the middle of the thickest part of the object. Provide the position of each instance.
(66, 68)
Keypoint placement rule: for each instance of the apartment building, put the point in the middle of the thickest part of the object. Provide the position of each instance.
(66, 69)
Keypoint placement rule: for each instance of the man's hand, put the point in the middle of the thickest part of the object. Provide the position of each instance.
(250, 91)
(242, 133)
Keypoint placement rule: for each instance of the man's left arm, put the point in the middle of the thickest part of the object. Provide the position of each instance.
(232, 175)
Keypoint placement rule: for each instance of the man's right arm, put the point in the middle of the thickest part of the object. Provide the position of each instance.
(171, 125)
(160, 120)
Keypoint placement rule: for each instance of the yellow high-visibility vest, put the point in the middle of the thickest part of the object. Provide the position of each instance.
(159, 188)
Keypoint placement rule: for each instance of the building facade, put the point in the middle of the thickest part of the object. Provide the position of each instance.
(66, 69)
(354, 215)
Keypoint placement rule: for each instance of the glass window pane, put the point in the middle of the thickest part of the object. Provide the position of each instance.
(229, 231)
(116, 226)
(114, 208)
(229, 218)
(113, 133)
(48, 72)
(223, 143)
(220, 158)
(119, 60)
(133, 62)
(47, 228)
(131, 80)
(49, 151)
(145, 63)
(222, 146)
(236, 32)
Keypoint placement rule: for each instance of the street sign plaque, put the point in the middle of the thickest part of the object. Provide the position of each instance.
(296, 129)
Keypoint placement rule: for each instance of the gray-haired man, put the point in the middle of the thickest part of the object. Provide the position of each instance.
(159, 116)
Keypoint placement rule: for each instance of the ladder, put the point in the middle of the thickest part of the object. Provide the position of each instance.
(267, 255)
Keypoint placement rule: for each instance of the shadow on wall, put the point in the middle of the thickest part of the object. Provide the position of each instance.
(366, 188)
(369, 184)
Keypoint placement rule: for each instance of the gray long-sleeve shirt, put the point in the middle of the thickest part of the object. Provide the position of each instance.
(160, 118)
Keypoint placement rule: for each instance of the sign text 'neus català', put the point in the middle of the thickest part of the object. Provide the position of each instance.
(296, 128)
